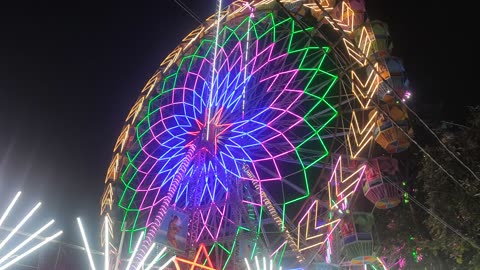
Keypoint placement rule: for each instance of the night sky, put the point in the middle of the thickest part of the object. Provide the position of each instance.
(70, 72)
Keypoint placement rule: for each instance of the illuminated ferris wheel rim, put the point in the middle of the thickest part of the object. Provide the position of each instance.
(177, 76)
(230, 14)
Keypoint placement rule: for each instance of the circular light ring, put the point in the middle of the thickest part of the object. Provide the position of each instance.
(266, 106)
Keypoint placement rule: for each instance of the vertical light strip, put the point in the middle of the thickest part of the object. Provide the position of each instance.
(9, 254)
(156, 258)
(264, 263)
(20, 225)
(175, 182)
(212, 87)
(106, 243)
(248, 265)
(5, 214)
(135, 250)
(167, 263)
(85, 242)
(245, 73)
(271, 265)
(256, 262)
(18, 258)
(142, 262)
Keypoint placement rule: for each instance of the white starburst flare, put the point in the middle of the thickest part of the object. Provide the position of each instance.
(85, 242)
(266, 265)
(20, 251)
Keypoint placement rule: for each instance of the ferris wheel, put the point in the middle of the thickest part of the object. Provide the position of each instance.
(235, 132)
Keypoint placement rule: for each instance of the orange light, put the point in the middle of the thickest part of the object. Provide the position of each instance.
(195, 264)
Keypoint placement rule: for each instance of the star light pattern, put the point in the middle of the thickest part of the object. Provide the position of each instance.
(201, 261)
(257, 109)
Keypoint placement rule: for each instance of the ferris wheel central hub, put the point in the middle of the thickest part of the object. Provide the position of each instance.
(211, 130)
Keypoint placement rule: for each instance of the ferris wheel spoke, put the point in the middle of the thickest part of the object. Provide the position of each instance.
(269, 91)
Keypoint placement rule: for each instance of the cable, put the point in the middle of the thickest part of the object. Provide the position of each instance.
(461, 185)
(430, 212)
(188, 10)
(440, 141)
(396, 95)
(409, 109)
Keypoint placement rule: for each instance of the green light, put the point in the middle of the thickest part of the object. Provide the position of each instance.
(313, 65)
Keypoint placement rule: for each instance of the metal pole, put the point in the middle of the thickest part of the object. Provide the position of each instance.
(58, 257)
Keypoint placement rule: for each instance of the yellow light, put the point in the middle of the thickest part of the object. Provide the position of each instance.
(107, 198)
(136, 109)
(361, 136)
(326, 4)
(112, 171)
(361, 52)
(171, 58)
(315, 232)
(151, 83)
(346, 19)
(344, 186)
(122, 139)
(370, 85)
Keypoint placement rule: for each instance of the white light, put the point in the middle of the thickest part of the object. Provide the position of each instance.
(264, 263)
(271, 264)
(256, 262)
(20, 225)
(135, 250)
(212, 87)
(5, 214)
(167, 263)
(156, 258)
(142, 262)
(248, 265)
(84, 237)
(48, 239)
(9, 254)
(107, 244)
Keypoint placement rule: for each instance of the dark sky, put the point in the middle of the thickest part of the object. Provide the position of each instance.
(70, 71)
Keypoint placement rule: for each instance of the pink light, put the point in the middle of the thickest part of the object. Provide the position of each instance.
(165, 204)
(271, 255)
